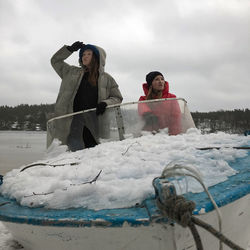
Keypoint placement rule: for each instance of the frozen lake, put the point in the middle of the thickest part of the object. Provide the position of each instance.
(19, 148)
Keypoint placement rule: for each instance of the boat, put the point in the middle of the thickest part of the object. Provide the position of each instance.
(143, 225)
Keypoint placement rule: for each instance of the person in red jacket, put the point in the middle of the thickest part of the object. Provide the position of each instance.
(163, 114)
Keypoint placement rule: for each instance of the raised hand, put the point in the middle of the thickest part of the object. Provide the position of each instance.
(75, 46)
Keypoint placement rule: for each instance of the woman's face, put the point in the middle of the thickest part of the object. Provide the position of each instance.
(158, 84)
(87, 57)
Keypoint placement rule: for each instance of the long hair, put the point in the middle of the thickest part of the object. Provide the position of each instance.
(94, 70)
(153, 94)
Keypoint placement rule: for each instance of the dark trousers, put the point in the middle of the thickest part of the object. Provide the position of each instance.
(80, 136)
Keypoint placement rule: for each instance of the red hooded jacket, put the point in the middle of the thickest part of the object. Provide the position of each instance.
(167, 112)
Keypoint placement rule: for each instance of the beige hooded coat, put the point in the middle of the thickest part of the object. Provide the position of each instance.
(71, 76)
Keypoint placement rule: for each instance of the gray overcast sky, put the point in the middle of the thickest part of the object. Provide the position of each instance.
(201, 47)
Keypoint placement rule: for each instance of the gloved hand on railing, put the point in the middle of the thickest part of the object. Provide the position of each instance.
(100, 108)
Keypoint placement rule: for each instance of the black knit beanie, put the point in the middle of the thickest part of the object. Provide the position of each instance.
(151, 76)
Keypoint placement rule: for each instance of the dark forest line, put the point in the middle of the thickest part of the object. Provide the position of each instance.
(25, 117)
(231, 121)
(34, 117)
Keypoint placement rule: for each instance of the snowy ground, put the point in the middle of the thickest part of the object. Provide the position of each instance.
(127, 169)
(7, 241)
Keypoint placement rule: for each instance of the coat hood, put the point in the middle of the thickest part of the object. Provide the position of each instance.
(102, 58)
(164, 92)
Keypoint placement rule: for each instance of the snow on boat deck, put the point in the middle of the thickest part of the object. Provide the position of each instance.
(226, 171)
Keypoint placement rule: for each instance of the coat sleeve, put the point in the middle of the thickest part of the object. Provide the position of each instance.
(115, 95)
(57, 61)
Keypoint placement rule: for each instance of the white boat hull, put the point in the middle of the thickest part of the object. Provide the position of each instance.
(235, 225)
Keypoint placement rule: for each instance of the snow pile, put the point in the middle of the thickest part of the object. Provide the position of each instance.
(124, 170)
(7, 241)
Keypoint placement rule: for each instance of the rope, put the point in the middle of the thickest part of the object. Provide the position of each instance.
(196, 236)
(217, 234)
(180, 210)
(177, 208)
(178, 170)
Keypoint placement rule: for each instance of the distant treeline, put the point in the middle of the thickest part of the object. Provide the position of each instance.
(34, 117)
(25, 117)
(235, 121)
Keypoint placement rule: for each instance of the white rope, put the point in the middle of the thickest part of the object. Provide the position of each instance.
(179, 170)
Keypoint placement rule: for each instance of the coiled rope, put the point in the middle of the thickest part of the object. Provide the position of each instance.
(177, 208)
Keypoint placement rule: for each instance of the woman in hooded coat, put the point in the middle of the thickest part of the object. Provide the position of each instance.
(163, 114)
(82, 88)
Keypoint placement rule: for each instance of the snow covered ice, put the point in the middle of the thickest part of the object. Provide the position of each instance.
(7, 241)
(126, 170)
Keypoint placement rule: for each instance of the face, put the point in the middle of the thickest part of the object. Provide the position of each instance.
(158, 84)
(87, 57)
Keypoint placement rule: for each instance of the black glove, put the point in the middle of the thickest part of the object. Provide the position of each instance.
(100, 108)
(75, 46)
(150, 118)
